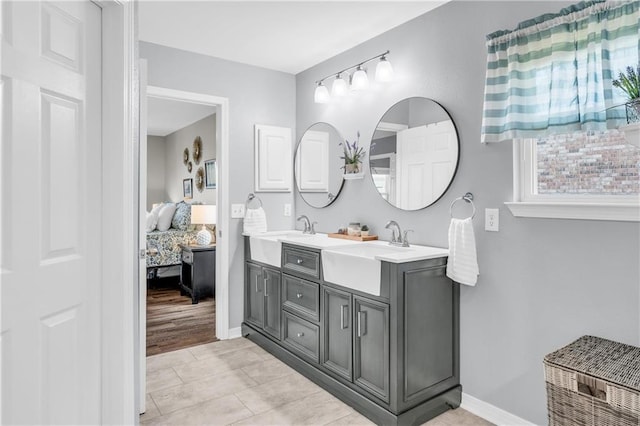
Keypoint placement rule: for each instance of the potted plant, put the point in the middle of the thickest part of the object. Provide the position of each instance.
(364, 231)
(352, 156)
(629, 83)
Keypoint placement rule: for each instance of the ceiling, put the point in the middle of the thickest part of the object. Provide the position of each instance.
(165, 116)
(288, 36)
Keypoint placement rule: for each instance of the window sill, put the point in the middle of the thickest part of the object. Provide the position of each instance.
(590, 211)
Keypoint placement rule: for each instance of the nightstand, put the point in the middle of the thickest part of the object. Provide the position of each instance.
(198, 271)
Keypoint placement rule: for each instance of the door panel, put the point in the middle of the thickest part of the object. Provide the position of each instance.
(254, 311)
(371, 355)
(272, 302)
(51, 121)
(336, 352)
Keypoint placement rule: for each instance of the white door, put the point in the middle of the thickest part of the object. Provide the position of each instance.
(51, 212)
(312, 162)
(142, 240)
(426, 157)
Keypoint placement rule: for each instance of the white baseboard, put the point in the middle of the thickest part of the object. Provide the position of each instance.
(234, 332)
(491, 413)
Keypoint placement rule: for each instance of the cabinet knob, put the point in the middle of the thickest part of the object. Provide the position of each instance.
(299, 261)
(300, 334)
(299, 295)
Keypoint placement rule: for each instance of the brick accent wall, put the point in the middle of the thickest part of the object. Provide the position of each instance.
(580, 163)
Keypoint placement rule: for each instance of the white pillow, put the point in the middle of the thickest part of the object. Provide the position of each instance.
(152, 217)
(165, 215)
(152, 221)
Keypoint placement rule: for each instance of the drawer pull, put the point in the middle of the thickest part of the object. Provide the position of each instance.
(265, 287)
(362, 324)
(300, 334)
(257, 289)
(299, 295)
(299, 261)
(343, 322)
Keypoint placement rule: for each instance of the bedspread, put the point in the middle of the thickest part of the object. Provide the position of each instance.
(167, 243)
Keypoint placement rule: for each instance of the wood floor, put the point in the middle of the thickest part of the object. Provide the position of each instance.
(174, 323)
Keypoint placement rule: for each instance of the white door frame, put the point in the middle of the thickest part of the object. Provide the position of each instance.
(222, 196)
(118, 223)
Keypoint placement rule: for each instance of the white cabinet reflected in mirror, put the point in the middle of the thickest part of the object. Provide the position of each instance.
(318, 165)
(414, 153)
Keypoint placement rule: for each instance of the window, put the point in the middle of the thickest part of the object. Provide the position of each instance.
(583, 175)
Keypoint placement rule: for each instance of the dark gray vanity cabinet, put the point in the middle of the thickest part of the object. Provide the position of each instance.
(394, 357)
(338, 332)
(262, 298)
(371, 347)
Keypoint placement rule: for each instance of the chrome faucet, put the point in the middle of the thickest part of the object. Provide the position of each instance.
(397, 237)
(308, 226)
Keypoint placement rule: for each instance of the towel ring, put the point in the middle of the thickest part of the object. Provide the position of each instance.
(468, 197)
(251, 197)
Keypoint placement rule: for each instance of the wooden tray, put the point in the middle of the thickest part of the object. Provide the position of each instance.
(353, 237)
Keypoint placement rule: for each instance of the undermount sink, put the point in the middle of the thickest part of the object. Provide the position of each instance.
(358, 266)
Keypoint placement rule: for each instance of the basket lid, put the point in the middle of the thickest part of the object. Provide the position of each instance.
(601, 358)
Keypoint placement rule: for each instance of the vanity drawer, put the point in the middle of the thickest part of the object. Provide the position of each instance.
(301, 336)
(301, 262)
(302, 297)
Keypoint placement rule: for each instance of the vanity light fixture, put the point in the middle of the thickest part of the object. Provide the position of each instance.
(358, 80)
(321, 96)
(339, 87)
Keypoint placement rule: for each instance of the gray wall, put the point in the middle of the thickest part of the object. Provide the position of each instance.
(156, 192)
(543, 282)
(176, 171)
(256, 96)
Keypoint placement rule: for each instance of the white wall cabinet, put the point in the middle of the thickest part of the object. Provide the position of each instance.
(273, 168)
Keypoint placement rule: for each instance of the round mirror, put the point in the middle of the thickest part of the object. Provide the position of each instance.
(414, 153)
(318, 165)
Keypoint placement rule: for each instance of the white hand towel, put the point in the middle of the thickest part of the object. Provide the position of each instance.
(255, 221)
(462, 265)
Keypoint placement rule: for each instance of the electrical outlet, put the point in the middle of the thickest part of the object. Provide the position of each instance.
(237, 211)
(287, 210)
(492, 220)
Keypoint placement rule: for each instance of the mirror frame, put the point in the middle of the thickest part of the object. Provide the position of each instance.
(455, 170)
(295, 173)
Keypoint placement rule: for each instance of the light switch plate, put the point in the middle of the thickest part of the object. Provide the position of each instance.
(492, 220)
(287, 209)
(237, 211)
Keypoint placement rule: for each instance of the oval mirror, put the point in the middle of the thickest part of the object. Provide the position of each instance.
(414, 153)
(318, 165)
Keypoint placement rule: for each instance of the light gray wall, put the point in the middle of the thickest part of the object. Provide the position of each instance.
(543, 282)
(156, 192)
(176, 171)
(256, 96)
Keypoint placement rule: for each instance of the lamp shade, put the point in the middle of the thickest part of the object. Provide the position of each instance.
(359, 80)
(202, 214)
(321, 95)
(339, 87)
(384, 71)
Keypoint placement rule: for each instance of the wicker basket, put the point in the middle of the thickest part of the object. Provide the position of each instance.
(593, 381)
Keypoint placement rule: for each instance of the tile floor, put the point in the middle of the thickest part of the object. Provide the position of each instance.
(237, 382)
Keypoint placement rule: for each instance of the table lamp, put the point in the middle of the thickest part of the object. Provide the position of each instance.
(203, 214)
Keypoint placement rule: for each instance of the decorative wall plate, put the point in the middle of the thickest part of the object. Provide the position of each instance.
(185, 156)
(197, 149)
(200, 179)
(189, 166)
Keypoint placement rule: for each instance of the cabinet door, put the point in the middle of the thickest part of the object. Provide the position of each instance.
(371, 341)
(272, 159)
(337, 347)
(254, 299)
(271, 284)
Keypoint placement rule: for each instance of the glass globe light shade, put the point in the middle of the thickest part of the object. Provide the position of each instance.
(321, 95)
(384, 71)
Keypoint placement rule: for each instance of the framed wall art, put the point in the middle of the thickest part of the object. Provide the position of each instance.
(210, 171)
(187, 188)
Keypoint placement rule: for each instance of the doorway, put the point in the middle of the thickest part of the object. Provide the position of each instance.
(220, 108)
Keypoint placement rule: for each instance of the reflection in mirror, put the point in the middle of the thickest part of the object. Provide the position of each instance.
(414, 153)
(318, 165)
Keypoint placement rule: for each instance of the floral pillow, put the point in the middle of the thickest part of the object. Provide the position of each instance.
(182, 217)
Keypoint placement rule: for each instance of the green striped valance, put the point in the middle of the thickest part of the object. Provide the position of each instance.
(553, 74)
